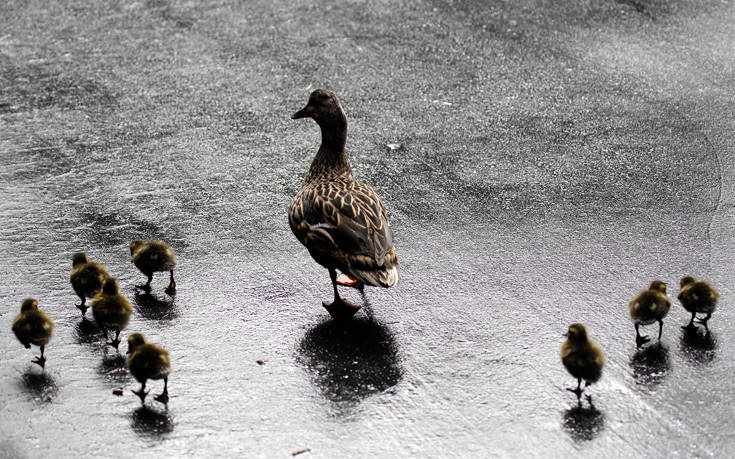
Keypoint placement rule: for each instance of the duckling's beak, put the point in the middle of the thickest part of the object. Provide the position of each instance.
(303, 113)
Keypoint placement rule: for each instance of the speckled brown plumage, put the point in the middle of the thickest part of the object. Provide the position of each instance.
(341, 222)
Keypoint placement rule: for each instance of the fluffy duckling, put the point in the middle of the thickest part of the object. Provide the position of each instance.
(647, 307)
(341, 222)
(86, 278)
(582, 358)
(697, 296)
(152, 256)
(32, 326)
(148, 361)
(111, 310)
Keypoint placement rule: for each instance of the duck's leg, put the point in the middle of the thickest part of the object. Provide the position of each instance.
(349, 281)
(578, 390)
(640, 340)
(660, 328)
(704, 321)
(41, 361)
(171, 289)
(147, 286)
(141, 393)
(82, 306)
(116, 342)
(163, 396)
(690, 325)
(339, 309)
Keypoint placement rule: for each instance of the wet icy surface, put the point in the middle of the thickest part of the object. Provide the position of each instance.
(540, 164)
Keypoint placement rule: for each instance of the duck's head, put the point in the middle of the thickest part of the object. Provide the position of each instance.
(135, 340)
(29, 304)
(577, 332)
(686, 280)
(110, 287)
(79, 258)
(658, 285)
(135, 245)
(323, 107)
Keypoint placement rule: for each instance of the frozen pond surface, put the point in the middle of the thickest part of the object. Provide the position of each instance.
(546, 162)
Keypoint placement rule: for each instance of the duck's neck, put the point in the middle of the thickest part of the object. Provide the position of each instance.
(331, 160)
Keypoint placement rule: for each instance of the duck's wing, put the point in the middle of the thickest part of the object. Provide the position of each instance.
(344, 216)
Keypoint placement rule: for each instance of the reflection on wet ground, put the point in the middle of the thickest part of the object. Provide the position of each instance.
(40, 385)
(650, 365)
(583, 423)
(151, 423)
(154, 307)
(112, 367)
(87, 332)
(699, 345)
(350, 361)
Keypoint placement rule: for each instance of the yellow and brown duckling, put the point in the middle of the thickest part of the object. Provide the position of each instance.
(148, 361)
(341, 222)
(33, 326)
(111, 310)
(582, 358)
(647, 307)
(153, 256)
(86, 278)
(697, 297)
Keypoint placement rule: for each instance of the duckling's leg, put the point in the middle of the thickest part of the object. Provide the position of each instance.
(41, 361)
(640, 340)
(141, 393)
(116, 342)
(339, 309)
(690, 325)
(349, 281)
(172, 285)
(578, 390)
(704, 321)
(147, 286)
(163, 396)
(660, 328)
(82, 306)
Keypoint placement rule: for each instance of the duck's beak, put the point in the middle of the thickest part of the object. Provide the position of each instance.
(303, 113)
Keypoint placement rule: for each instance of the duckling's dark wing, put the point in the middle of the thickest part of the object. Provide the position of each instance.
(347, 216)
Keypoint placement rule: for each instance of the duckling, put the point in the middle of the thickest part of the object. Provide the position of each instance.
(341, 222)
(582, 358)
(148, 361)
(152, 256)
(32, 326)
(86, 278)
(647, 307)
(111, 310)
(697, 296)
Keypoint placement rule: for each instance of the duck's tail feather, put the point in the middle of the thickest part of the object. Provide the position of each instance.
(386, 277)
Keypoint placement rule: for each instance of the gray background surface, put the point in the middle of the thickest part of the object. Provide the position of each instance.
(555, 157)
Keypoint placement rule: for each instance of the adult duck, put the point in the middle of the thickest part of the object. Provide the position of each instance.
(341, 222)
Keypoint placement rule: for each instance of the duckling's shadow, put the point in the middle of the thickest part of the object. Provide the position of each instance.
(350, 360)
(155, 308)
(112, 367)
(39, 384)
(150, 423)
(650, 365)
(699, 345)
(583, 423)
(86, 332)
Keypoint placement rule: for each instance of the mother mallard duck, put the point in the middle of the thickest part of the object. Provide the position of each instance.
(341, 221)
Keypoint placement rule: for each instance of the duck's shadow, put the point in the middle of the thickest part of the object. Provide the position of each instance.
(151, 423)
(650, 365)
(699, 345)
(350, 360)
(112, 367)
(583, 423)
(154, 308)
(39, 384)
(87, 332)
